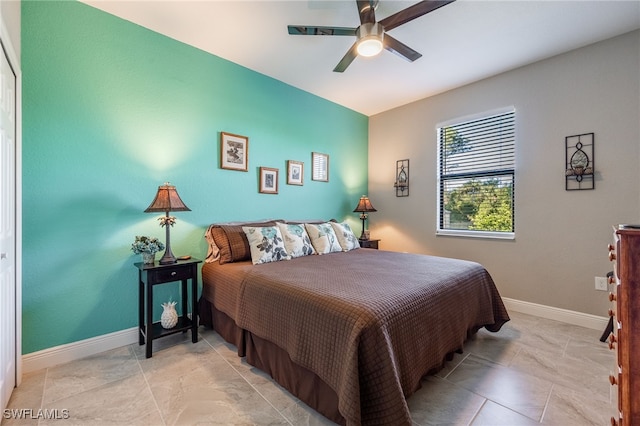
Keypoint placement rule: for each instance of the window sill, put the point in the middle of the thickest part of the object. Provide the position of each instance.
(476, 234)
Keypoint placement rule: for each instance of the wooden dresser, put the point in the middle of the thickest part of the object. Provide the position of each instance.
(625, 338)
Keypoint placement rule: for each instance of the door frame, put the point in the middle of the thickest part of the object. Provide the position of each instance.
(14, 62)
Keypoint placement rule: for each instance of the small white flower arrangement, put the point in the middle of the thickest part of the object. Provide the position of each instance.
(144, 244)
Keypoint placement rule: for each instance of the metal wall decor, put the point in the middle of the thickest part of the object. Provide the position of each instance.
(579, 162)
(402, 178)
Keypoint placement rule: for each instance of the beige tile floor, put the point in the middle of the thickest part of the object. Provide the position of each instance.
(534, 371)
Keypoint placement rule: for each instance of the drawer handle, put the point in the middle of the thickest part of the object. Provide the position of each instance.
(173, 273)
(612, 297)
(612, 341)
(613, 380)
(612, 313)
(612, 256)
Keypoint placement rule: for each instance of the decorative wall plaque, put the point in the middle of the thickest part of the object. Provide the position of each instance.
(579, 162)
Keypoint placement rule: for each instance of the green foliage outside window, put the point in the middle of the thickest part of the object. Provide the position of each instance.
(481, 205)
(454, 142)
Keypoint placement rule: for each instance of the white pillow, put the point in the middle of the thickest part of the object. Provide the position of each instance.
(296, 239)
(323, 238)
(266, 244)
(346, 237)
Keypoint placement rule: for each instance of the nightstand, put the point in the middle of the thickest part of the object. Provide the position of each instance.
(154, 274)
(372, 244)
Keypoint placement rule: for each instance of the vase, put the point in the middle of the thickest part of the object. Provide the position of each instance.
(148, 258)
(169, 317)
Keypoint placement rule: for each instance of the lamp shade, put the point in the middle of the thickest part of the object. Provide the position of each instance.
(364, 205)
(167, 200)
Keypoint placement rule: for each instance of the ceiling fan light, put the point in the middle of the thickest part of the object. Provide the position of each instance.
(370, 37)
(369, 46)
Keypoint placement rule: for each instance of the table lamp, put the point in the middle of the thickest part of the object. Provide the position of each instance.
(167, 200)
(364, 206)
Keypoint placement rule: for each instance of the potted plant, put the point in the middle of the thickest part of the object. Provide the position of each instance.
(147, 247)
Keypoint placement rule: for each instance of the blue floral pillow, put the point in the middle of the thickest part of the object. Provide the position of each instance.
(346, 237)
(323, 238)
(296, 239)
(266, 244)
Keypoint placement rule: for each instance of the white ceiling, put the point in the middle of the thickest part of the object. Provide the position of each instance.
(462, 42)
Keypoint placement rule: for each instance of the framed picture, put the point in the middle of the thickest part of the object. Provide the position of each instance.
(234, 152)
(295, 172)
(320, 164)
(268, 180)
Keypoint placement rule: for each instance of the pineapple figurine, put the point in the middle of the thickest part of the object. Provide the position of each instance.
(169, 317)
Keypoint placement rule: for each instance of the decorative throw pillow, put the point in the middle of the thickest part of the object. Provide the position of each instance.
(346, 237)
(296, 240)
(323, 238)
(228, 242)
(266, 244)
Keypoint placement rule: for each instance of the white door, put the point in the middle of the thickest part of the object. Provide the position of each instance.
(8, 329)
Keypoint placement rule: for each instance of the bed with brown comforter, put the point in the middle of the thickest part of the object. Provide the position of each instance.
(351, 333)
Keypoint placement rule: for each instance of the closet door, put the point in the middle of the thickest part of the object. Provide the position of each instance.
(8, 330)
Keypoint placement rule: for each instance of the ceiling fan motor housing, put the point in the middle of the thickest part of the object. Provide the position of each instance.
(370, 35)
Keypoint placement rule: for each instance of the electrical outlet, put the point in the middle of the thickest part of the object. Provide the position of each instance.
(601, 283)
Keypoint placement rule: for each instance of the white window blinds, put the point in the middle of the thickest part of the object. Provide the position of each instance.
(477, 174)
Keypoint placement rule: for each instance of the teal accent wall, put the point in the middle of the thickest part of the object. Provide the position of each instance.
(112, 110)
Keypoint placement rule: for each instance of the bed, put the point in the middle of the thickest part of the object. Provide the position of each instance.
(350, 333)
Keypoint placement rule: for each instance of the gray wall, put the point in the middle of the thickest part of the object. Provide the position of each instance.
(561, 236)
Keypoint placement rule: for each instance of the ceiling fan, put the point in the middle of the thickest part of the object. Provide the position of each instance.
(372, 35)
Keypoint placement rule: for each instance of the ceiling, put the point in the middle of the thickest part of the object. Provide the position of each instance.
(463, 42)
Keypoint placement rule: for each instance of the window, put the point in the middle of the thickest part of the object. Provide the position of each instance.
(476, 176)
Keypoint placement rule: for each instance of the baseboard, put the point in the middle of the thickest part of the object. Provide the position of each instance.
(76, 350)
(83, 348)
(563, 315)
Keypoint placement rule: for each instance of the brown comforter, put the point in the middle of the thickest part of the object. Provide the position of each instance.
(369, 323)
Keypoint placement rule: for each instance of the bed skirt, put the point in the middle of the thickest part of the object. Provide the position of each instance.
(273, 360)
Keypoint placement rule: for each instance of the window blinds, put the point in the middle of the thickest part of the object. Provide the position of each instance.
(476, 171)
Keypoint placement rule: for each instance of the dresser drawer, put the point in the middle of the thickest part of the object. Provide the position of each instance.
(625, 295)
(172, 274)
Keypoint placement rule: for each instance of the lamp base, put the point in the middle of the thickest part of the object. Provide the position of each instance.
(168, 257)
(363, 217)
(166, 260)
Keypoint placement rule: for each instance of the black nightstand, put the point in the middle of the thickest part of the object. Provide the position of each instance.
(372, 244)
(150, 275)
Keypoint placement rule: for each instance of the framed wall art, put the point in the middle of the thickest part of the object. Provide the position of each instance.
(295, 172)
(234, 152)
(320, 165)
(268, 180)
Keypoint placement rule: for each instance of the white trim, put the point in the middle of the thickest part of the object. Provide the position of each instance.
(563, 315)
(476, 116)
(476, 234)
(83, 348)
(77, 350)
(14, 60)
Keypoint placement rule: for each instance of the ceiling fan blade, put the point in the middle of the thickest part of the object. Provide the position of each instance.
(334, 31)
(366, 9)
(400, 49)
(347, 59)
(412, 12)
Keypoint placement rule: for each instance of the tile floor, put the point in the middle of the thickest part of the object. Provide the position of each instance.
(534, 371)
